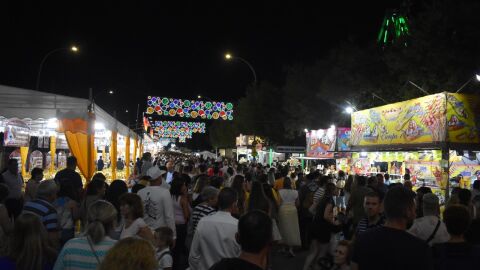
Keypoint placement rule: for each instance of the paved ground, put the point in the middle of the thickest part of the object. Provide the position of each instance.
(282, 262)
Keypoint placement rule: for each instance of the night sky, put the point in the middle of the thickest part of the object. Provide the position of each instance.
(157, 49)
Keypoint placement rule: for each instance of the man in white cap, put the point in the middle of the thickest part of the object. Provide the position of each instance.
(157, 202)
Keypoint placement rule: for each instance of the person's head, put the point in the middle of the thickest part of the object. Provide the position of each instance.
(457, 219)
(372, 181)
(227, 199)
(238, 184)
(37, 174)
(96, 188)
(255, 232)
(202, 168)
(170, 166)
(12, 166)
(155, 174)
(147, 156)
(137, 187)
(202, 182)
(131, 206)
(178, 187)
(324, 180)
(386, 176)
(372, 204)
(101, 217)
(361, 180)
(102, 158)
(210, 196)
(99, 176)
(29, 243)
(399, 204)
(72, 162)
(47, 190)
(430, 205)
(342, 253)
(408, 184)
(330, 190)
(130, 253)
(230, 171)
(67, 189)
(216, 181)
(380, 179)
(464, 197)
(4, 191)
(287, 183)
(117, 188)
(163, 238)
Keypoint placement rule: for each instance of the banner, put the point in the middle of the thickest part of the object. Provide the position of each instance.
(320, 142)
(463, 125)
(415, 121)
(343, 139)
(17, 133)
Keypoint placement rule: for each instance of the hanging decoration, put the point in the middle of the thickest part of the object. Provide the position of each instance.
(394, 28)
(195, 109)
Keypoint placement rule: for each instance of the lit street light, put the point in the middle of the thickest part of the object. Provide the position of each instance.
(73, 49)
(477, 77)
(349, 110)
(229, 57)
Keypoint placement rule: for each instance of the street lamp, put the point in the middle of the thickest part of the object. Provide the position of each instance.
(229, 57)
(73, 49)
(349, 110)
(477, 77)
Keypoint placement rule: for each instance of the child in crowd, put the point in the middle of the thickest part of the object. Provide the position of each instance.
(164, 241)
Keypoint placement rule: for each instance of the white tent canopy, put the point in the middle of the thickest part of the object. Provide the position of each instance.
(30, 104)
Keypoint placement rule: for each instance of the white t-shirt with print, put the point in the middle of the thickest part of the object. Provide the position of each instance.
(165, 261)
(133, 229)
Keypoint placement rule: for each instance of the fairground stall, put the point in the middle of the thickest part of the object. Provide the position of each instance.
(41, 129)
(435, 138)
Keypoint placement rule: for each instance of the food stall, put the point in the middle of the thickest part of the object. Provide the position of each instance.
(423, 135)
(42, 129)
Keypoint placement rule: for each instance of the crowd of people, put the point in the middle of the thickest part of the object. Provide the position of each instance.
(200, 214)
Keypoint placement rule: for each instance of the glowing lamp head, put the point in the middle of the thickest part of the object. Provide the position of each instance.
(74, 49)
(111, 92)
(305, 130)
(349, 110)
(228, 56)
(477, 76)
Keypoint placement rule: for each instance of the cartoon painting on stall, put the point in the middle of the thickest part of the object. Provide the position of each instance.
(463, 126)
(343, 139)
(320, 142)
(420, 120)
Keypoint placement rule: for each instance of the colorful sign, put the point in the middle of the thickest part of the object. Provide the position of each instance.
(321, 143)
(463, 118)
(343, 139)
(190, 108)
(415, 121)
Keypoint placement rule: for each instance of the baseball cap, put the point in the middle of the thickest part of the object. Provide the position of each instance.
(155, 172)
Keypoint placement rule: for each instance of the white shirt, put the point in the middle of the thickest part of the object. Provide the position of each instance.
(158, 207)
(423, 227)
(169, 177)
(214, 240)
(289, 196)
(133, 229)
(165, 261)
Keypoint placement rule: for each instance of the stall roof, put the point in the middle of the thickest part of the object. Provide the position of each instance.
(31, 104)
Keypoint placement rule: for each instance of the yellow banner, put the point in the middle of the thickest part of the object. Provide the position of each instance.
(461, 113)
(415, 121)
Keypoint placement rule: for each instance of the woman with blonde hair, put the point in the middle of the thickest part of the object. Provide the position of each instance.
(88, 251)
(28, 247)
(130, 253)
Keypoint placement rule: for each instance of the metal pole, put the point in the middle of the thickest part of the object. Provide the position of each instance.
(251, 68)
(37, 84)
(420, 88)
(136, 119)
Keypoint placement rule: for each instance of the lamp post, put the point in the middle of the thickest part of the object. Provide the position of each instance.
(74, 49)
(229, 57)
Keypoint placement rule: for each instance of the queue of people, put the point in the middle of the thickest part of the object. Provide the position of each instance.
(191, 213)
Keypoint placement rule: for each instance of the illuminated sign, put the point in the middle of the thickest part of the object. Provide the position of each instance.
(195, 109)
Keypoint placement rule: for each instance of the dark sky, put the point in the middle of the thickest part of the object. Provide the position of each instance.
(140, 48)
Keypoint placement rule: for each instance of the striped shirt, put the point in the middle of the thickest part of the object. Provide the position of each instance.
(46, 211)
(77, 254)
(317, 197)
(200, 211)
(364, 226)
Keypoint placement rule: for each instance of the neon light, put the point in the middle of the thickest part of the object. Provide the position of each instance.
(190, 108)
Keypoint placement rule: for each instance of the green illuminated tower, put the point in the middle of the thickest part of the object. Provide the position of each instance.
(394, 28)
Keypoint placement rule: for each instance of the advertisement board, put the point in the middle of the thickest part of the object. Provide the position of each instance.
(463, 125)
(320, 142)
(343, 139)
(415, 121)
